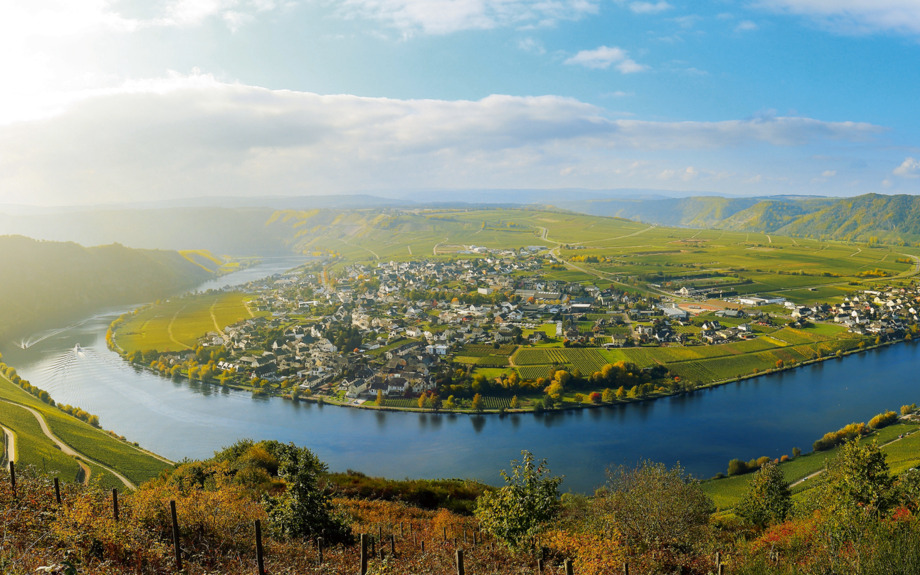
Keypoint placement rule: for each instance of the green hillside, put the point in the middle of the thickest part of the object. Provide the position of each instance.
(890, 219)
(45, 283)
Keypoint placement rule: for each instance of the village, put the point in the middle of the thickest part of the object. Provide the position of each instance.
(394, 329)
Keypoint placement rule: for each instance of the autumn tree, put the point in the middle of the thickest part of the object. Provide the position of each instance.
(655, 507)
(477, 404)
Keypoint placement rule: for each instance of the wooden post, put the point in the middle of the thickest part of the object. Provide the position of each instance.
(319, 549)
(115, 503)
(540, 566)
(259, 552)
(175, 529)
(460, 570)
(569, 569)
(718, 559)
(721, 569)
(13, 477)
(363, 569)
(379, 532)
(625, 568)
(445, 533)
(423, 545)
(57, 490)
(392, 545)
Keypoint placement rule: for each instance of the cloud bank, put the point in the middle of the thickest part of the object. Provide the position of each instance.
(856, 16)
(196, 136)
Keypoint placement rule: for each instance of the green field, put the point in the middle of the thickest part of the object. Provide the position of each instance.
(901, 455)
(135, 464)
(178, 324)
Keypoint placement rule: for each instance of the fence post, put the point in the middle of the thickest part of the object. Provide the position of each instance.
(259, 552)
(363, 569)
(13, 477)
(721, 569)
(569, 568)
(460, 570)
(626, 568)
(445, 533)
(423, 545)
(175, 530)
(57, 490)
(718, 559)
(392, 545)
(115, 503)
(540, 566)
(319, 549)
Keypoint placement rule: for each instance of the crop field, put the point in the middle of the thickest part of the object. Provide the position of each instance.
(493, 361)
(540, 356)
(481, 350)
(177, 324)
(32, 447)
(534, 372)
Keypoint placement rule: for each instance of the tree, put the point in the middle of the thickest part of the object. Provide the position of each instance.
(304, 510)
(607, 396)
(379, 401)
(768, 499)
(515, 403)
(655, 507)
(517, 512)
(858, 480)
(477, 404)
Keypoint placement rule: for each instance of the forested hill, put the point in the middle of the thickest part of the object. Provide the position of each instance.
(44, 283)
(885, 218)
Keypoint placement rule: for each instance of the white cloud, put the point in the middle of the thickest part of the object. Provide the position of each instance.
(855, 16)
(604, 57)
(531, 45)
(828, 173)
(909, 168)
(194, 135)
(447, 16)
(746, 26)
(648, 7)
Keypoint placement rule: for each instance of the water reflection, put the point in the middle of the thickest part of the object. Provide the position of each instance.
(479, 422)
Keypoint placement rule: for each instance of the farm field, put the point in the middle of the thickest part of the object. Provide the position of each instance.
(178, 324)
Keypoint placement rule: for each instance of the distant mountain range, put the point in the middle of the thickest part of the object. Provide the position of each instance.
(890, 219)
(252, 226)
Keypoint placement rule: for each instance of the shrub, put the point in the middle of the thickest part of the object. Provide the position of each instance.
(883, 419)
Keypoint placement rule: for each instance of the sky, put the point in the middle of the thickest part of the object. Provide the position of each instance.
(123, 101)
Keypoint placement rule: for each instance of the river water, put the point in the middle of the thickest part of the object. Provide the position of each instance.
(767, 415)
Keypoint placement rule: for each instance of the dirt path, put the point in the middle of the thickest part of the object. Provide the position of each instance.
(214, 318)
(434, 250)
(9, 454)
(169, 329)
(68, 450)
(410, 249)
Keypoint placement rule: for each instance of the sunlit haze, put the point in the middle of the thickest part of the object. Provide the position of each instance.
(125, 101)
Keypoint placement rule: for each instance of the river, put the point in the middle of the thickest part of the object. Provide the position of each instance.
(767, 415)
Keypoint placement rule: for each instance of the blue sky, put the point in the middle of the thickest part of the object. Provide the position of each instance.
(123, 101)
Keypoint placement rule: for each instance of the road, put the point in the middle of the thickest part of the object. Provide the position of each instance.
(68, 450)
(820, 471)
(10, 453)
